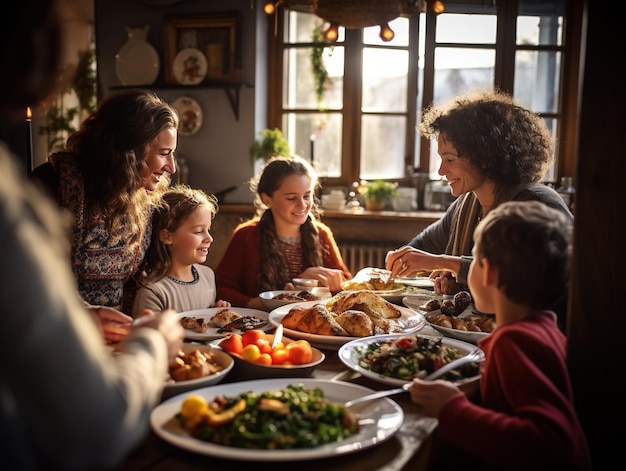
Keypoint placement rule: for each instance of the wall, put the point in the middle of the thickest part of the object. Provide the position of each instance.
(217, 154)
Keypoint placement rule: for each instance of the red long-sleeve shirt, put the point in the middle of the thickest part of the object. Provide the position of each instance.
(527, 418)
(236, 274)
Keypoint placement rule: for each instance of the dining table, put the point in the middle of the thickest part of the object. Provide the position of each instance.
(407, 449)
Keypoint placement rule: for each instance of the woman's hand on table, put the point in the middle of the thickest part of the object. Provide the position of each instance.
(408, 261)
(221, 303)
(444, 282)
(329, 277)
(431, 396)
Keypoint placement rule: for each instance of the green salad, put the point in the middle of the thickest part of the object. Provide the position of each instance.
(293, 417)
(412, 356)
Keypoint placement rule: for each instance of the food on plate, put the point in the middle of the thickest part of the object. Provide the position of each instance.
(470, 323)
(301, 296)
(292, 417)
(450, 307)
(413, 356)
(224, 317)
(363, 301)
(193, 365)
(197, 324)
(349, 313)
(244, 323)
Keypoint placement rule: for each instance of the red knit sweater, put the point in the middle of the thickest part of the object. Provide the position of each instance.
(527, 419)
(236, 274)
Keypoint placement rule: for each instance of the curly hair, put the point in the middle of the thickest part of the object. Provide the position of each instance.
(111, 147)
(273, 260)
(530, 244)
(506, 142)
(176, 205)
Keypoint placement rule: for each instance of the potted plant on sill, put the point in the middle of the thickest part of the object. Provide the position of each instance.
(378, 193)
(271, 143)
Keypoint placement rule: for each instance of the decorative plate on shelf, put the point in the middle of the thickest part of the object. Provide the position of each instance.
(190, 115)
(189, 66)
(137, 62)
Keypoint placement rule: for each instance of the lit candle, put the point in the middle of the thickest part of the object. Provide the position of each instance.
(29, 139)
(312, 148)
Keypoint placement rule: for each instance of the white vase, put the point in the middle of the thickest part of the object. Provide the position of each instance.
(137, 62)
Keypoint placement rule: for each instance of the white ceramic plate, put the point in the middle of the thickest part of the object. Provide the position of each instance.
(418, 282)
(212, 332)
(413, 322)
(190, 115)
(267, 297)
(189, 66)
(349, 355)
(381, 419)
(222, 358)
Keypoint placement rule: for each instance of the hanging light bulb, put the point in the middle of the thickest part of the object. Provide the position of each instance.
(438, 7)
(332, 33)
(386, 33)
(269, 8)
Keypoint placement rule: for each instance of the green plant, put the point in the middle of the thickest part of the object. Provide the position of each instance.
(272, 143)
(380, 190)
(318, 68)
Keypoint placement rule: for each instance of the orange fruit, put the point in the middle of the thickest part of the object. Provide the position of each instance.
(232, 344)
(252, 336)
(264, 359)
(251, 352)
(279, 356)
(299, 353)
(264, 345)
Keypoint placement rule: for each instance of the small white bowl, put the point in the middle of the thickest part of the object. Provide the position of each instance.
(304, 283)
(222, 358)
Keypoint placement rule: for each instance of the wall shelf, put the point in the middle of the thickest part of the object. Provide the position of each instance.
(231, 89)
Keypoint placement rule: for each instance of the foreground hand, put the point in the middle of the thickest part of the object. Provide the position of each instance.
(168, 324)
(115, 325)
(407, 261)
(330, 277)
(431, 396)
(445, 283)
(221, 303)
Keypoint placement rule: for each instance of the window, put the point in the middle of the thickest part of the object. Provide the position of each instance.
(363, 124)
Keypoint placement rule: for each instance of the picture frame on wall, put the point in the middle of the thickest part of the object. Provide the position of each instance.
(201, 47)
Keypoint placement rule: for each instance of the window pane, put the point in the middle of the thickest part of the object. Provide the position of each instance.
(460, 70)
(300, 26)
(382, 147)
(400, 28)
(466, 29)
(385, 80)
(539, 30)
(299, 89)
(317, 134)
(537, 80)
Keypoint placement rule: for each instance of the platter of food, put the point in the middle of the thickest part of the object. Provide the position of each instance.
(347, 315)
(273, 299)
(397, 359)
(376, 421)
(217, 322)
(196, 366)
(454, 317)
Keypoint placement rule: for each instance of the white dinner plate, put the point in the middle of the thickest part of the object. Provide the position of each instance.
(189, 66)
(212, 332)
(190, 115)
(349, 354)
(379, 420)
(412, 321)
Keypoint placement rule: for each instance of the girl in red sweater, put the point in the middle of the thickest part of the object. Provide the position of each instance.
(283, 241)
(526, 419)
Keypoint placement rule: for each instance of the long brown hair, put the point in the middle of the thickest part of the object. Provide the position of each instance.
(273, 261)
(111, 146)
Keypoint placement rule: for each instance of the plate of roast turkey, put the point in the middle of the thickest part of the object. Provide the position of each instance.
(346, 316)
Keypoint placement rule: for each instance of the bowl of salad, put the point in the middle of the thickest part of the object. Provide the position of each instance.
(396, 359)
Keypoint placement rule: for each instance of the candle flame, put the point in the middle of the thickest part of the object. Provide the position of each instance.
(29, 113)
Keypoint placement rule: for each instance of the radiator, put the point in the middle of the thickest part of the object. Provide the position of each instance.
(359, 255)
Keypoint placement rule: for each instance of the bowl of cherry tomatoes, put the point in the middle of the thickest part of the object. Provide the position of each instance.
(255, 358)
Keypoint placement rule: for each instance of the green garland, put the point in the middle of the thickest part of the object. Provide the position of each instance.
(318, 68)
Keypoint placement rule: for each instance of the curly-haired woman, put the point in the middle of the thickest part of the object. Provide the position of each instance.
(492, 150)
(284, 240)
